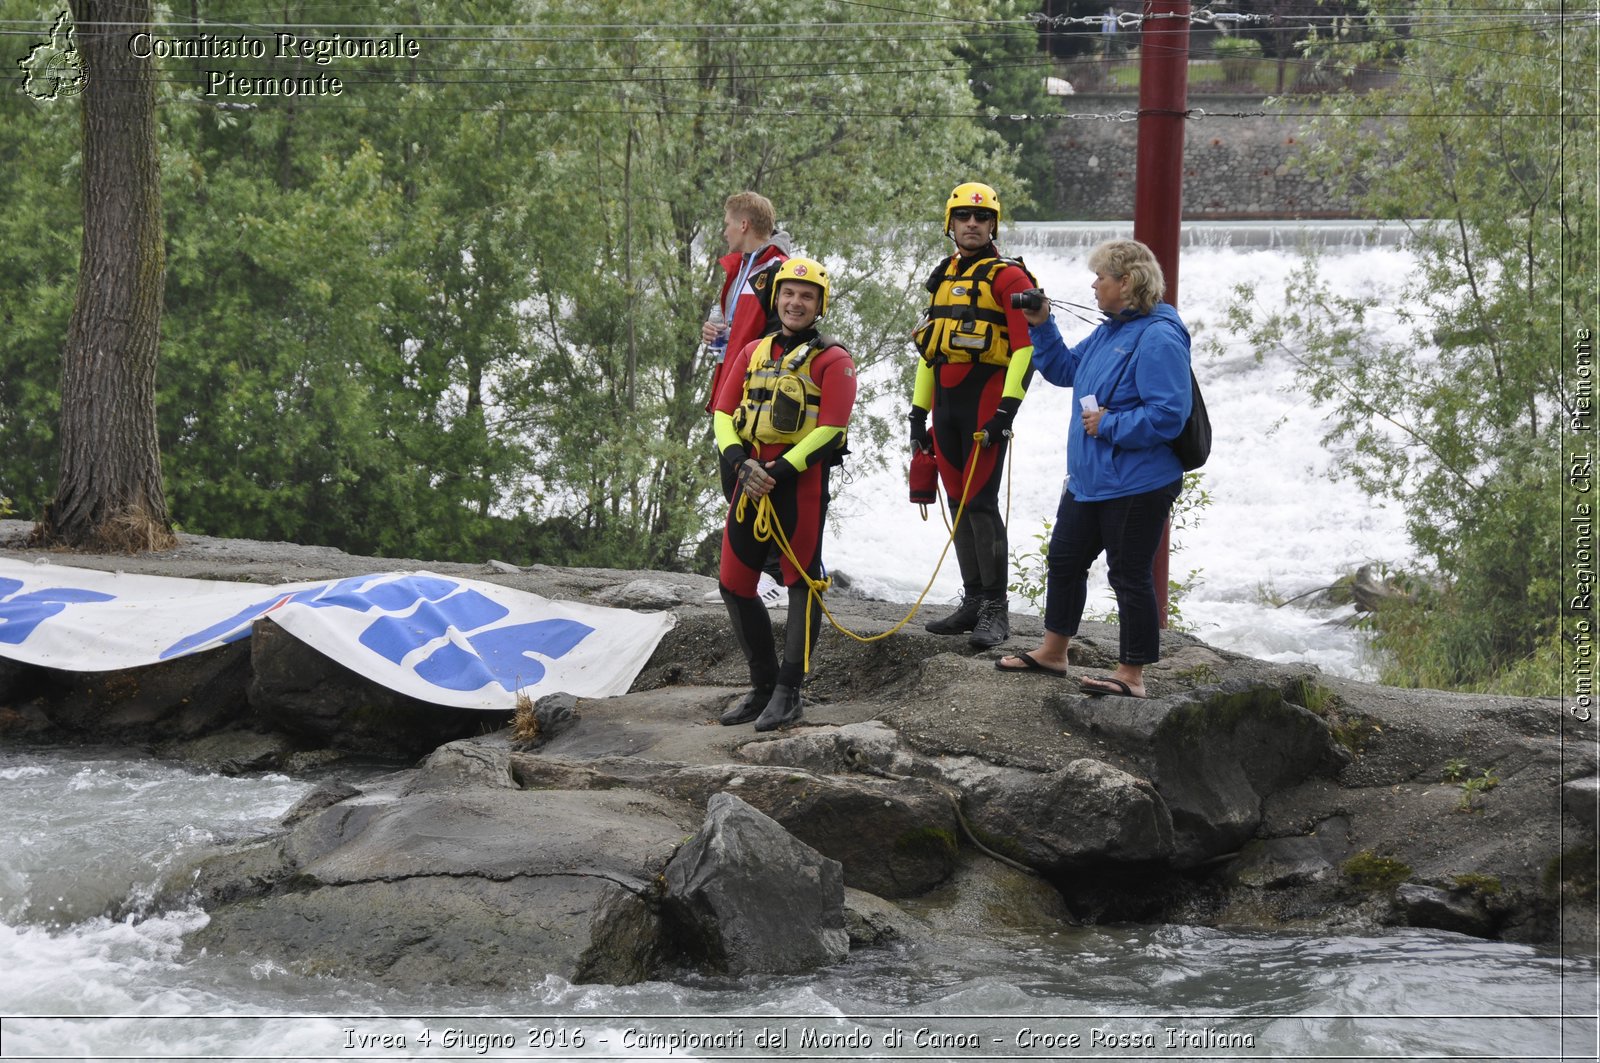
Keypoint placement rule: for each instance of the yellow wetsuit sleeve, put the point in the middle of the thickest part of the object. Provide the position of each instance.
(1017, 373)
(819, 437)
(922, 390)
(727, 435)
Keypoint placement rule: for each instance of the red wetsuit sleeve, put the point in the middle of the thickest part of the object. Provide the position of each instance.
(835, 374)
(1007, 283)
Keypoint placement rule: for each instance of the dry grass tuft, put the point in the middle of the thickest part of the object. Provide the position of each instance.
(524, 725)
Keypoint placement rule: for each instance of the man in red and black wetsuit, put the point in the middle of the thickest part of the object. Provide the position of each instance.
(780, 419)
(972, 377)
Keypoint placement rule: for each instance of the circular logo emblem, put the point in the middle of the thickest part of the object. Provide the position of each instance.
(799, 271)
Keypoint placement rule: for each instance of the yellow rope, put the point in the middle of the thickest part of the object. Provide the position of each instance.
(768, 528)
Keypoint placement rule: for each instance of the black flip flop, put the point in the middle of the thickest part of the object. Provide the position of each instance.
(1030, 665)
(1123, 689)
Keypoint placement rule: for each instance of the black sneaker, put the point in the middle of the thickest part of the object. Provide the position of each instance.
(782, 710)
(994, 624)
(965, 618)
(746, 708)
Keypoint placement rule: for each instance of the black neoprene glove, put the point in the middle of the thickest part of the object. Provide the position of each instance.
(999, 426)
(734, 455)
(920, 439)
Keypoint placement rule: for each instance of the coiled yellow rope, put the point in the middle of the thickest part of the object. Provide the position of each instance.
(767, 528)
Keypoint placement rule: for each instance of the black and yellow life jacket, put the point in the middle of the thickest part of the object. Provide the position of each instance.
(964, 322)
(781, 400)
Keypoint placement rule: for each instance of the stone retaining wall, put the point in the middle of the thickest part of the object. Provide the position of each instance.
(1238, 162)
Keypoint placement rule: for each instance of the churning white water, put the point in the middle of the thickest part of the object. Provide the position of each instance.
(92, 967)
(1277, 526)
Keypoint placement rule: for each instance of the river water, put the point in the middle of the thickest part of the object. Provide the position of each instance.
(92, 968)
(1277, 527)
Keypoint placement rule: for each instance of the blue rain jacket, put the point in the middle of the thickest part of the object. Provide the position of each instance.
(1131, 454)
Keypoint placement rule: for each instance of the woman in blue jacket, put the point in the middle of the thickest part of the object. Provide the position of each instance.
(1131, 378)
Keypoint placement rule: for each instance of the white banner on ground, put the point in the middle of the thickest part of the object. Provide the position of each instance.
(444, 640)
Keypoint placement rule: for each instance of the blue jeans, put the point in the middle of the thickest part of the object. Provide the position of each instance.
(1128, 529)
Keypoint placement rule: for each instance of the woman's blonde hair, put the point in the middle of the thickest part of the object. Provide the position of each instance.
(1135, 261)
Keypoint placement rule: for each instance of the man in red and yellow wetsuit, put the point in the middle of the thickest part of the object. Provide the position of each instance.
(780, 420)
(973, 374)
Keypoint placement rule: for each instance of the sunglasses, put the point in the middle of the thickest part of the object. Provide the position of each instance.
(972, 215)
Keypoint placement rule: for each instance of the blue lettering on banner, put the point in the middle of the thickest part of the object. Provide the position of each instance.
(503, 655)
(392, 637)
(497, 655)
(397, 594)
(21, 613)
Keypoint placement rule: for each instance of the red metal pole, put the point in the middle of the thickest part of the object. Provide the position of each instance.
(1158, 172)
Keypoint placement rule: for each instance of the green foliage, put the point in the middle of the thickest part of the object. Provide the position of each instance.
(1236, 48)
(455, 312)
(1455, 770)
(42, 231)
(1351, 730)
(1240, 56)
(1445, 394)
(1473, 789)
(1310, 694)
(1007, 72)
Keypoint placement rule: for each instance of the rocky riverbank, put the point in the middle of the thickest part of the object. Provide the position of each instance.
(624, 838)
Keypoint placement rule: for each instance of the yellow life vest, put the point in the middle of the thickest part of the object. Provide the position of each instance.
(781, 401)
(963, 322)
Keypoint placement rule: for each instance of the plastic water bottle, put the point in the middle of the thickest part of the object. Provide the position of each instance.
(719, 345)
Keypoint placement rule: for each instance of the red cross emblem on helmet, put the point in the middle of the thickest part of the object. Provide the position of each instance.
(977, 198)
(799, 270)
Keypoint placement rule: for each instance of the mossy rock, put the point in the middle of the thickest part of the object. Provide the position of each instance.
(1368, 871)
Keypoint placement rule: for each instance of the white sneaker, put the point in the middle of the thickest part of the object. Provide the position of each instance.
(771, 592)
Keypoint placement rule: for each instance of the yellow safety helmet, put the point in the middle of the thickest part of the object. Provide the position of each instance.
(808, 270)
(972, 195)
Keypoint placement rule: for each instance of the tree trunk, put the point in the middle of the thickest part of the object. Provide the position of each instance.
(110, 493)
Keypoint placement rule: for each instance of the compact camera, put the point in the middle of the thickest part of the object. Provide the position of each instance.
(1032, 299)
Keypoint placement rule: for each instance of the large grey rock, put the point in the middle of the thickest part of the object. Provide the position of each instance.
(465, 763)
(1581, 799)
(871, 747)
(747, 896)
(179, 699)
(478, 887)
(1087, 813)
(1280, 862)
(985, 896)
(1429, 906)
(896, 837)
(1216, 754)
(233, 752)
(644, 594)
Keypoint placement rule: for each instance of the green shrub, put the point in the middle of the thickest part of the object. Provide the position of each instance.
(1239, 56)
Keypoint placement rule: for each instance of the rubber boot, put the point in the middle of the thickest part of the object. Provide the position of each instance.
(994, 623)
(783, 709)
(805, 618)
(965, 618)
(752, 630)
(746, 708)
